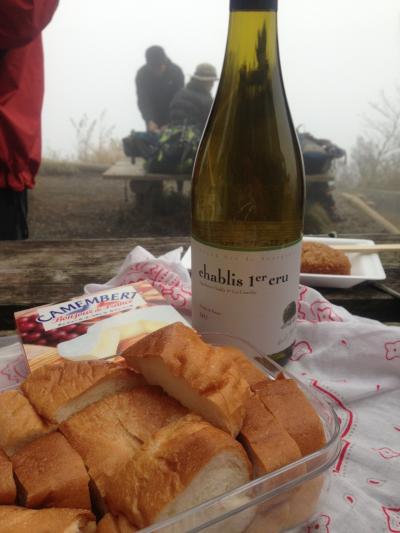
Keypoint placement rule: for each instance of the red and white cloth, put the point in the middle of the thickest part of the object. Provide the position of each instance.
(355, 363)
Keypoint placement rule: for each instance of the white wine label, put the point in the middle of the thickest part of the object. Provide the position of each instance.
(251, 295)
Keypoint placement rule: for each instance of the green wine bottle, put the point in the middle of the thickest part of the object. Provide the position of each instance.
(248, 194)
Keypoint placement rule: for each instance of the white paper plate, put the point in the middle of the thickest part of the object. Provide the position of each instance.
(363, 266)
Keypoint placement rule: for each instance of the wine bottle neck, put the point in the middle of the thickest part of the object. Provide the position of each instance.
(252, 45)
(253, 5)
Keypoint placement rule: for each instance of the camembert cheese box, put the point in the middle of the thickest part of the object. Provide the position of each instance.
(93, 326)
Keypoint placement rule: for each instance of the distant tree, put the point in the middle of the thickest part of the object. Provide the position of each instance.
(375, 159)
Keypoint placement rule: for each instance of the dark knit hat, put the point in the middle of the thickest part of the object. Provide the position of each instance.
(155, 56)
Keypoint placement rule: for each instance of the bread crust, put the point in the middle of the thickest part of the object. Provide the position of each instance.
(101, 440)
(247, 369)
(319, 258)
(114, 524)
(15, 519)
(19, 422)
(203, 368)
(289, 405)
(266, 441)
(51, 474)
(8, 491)
(145, 410)
(108, 433)
(166, 465)
(52, 387)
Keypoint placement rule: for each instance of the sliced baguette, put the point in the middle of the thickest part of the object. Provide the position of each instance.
(109, 432)
(19, 422)
(249, 371)
(145, 410)
(20, 520)
(60, 390)
(266, 441)
(271, 521)
(284, 399)
(198, 375)
(50, 473)
(8, 491)
(102, 442)
(114, 524)
(184, 464)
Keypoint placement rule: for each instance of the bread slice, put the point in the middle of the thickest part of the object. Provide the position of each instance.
(198, 375)
(20, 520)
(58, 391)
(284, 399)
(249, 371)
(50, 473)
(19, 422)
(145, 410)
(184, 464)
(102, 442)
(303, 503)
(108, 433)
(8, 491)
(266, 441)
(272, 521)
(114, 524)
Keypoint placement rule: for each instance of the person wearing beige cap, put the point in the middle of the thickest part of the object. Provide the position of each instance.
(191, 105)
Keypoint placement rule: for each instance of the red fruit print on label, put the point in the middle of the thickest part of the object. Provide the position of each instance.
(378, 388)
(349, 499)
(376, 482)
(392, 516)
(397, 428)
(301, 349)
(387, 453)
(392, 350)
(344, 342)
(321, 525)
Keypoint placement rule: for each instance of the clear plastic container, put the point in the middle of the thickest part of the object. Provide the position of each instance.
(13, 364)
(280, 501)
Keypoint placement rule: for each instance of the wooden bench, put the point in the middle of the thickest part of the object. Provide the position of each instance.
(144, 185)
(38, 272)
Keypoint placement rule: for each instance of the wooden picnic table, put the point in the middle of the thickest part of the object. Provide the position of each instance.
(39, 272)
(145, 185)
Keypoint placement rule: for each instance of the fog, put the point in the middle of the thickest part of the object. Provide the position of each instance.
(337, 56)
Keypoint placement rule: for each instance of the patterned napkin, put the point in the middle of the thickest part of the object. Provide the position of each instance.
(355, 363)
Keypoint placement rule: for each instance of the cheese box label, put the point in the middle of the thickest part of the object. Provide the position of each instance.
(93, 327)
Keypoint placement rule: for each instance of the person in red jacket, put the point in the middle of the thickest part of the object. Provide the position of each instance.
(21, 97)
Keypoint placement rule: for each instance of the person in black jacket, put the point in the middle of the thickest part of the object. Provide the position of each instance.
(156, 84)
(191, 105)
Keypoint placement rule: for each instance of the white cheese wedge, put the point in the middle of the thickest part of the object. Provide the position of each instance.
(139, 321)
(140, 327)
(96, 345)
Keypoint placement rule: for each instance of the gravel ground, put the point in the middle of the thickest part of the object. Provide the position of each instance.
(90, 207)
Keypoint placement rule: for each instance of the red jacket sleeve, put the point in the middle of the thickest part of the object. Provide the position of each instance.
(21, 21)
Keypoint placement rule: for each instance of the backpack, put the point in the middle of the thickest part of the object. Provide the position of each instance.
(140, 144)
(177, 147)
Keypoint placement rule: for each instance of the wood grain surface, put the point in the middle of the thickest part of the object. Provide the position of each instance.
(39, 272)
